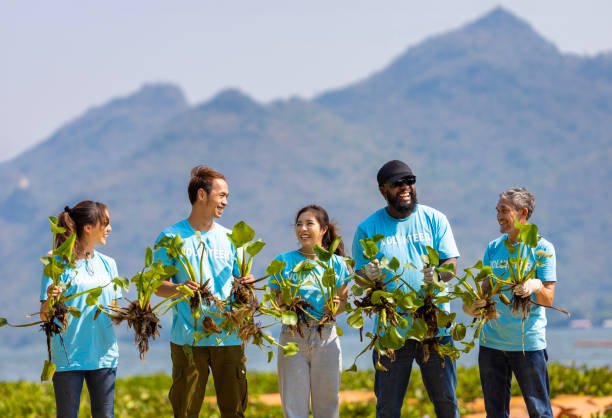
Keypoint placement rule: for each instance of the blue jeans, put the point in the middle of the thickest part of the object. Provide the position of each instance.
(496, 368)
(100, 384)
(439, 376)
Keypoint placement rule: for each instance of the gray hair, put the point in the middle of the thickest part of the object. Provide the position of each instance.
(520, 198)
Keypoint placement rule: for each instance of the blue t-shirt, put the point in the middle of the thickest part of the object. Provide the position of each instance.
(505, 333)
(219, 266)
(90, 344)
(310, 292)
(406, 240)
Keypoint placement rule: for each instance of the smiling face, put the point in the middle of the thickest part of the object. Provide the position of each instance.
(308, 230)
(401, 198)
(215, 201)
(506, 214)
(98, 233)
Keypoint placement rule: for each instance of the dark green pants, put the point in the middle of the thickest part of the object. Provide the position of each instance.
(189, 380)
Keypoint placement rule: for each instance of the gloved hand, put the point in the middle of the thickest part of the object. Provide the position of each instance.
(428, 274)
(531, 286)
(474, 310)
(372, 270)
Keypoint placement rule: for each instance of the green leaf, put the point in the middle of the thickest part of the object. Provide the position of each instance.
(409, 266)
(339, 331)
(303, 265)
(357, 290)
(322, 254)
(241, 234)
(349, 262)
(255, 247)
(376, 238)
(394, 264)
(92, 296)
(290, 349)
(122, 283)
(458, 332)
(353, 368)
(286, 293)
(370, 248)
(418, 329)
(409, 301)
(377, 294)
(402, 322)
(74, 311)
(270, 356)
(446, 268)
(355, 320)
(329, 278)
(334, 245)
(3, 322)
(393, 339)
(55, 229)
(528, 233)
(434, 257)
(511, 248)
(275, 267)
(48, 371)
(289, 318)
(444, 318)
(425, 259)
(148, 257)
(65, 250)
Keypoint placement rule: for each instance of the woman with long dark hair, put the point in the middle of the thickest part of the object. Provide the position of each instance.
(313, 374)
(89, 348)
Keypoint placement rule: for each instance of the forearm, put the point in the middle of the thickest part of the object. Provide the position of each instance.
(167, 290)
(546, 294)
(445, 277)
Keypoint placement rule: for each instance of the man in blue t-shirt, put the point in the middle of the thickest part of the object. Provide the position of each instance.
(508, 345)
(223, 356)
(408, 228)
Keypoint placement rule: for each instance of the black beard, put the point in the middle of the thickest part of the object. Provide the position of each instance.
(404, 209)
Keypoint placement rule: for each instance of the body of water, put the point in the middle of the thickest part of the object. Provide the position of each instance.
(25, 363)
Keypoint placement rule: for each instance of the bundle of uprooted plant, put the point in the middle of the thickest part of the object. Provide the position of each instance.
(373, 298)
(242, 303)
(521, 269)
(202, 301)
(55, 320)
(140, 315)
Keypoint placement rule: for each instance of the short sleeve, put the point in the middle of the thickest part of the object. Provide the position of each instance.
(342, 274)
(444, 239)
(547, 272)
(114, 273)
(357, 250)
(45, 282)
(486, 259)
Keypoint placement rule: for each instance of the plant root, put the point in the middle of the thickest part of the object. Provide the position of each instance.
(144, 322)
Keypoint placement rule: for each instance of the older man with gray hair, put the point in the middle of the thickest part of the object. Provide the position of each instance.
(509, 345)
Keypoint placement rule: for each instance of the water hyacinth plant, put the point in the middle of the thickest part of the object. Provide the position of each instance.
(140, 315)
(203, 295)
(55, 320)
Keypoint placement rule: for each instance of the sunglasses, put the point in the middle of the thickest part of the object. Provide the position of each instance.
(408, 181)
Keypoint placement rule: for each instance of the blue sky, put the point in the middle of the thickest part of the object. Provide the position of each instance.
(62, 57)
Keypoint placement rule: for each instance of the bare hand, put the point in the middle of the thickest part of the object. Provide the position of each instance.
(248, 279)
(336, 303)
(53, 291)
(191, 285)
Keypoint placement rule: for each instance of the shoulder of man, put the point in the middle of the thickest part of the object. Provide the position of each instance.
(172, 230)
(544, 244)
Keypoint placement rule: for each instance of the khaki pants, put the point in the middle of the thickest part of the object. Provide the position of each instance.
(189, 380)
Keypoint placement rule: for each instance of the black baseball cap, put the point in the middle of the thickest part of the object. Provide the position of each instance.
(393, 171)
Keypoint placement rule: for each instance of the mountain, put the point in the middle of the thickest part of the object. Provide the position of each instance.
(472, 111)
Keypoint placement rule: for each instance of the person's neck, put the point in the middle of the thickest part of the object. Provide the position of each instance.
(396, 214)
(513, 236)
(200, 221)
(308, 252)
(86, 251)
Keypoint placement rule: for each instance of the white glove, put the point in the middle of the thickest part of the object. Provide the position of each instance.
(428, 274)
(372, 270)
(529, 287)
(474, 310)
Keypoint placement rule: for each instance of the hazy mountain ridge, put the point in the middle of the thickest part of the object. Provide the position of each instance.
(473, 111)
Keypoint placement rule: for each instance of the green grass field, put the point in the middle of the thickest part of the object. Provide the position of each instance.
(146, 396)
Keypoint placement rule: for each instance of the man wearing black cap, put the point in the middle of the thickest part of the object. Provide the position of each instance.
(408, 227)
